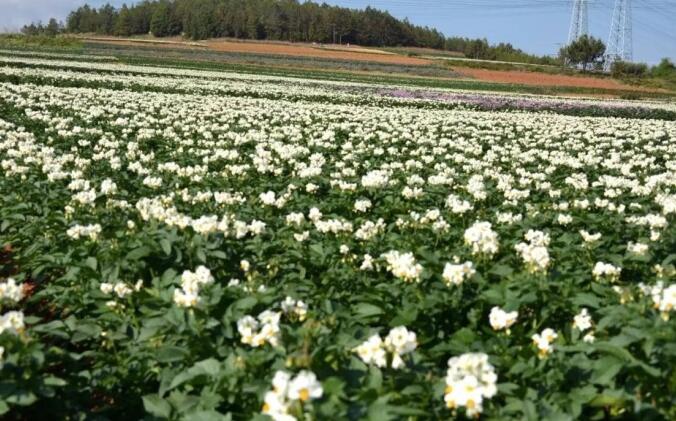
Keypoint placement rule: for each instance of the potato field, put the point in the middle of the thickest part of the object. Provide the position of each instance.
(210, 245)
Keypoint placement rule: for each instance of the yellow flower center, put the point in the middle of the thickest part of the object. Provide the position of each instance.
(266, 408)
(304, 394)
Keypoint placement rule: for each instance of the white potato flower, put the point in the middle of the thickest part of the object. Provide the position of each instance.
(583, 320)
(403, 266)
(10, 290)
(482, 239)
(502, 320)
(543, 341)
(456, 274)
(469, 381)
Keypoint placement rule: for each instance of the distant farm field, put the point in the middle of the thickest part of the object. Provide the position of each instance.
(343, 52)
(416, 61)
(186, 238)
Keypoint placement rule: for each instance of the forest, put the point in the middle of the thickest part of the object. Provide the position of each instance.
(279, 20)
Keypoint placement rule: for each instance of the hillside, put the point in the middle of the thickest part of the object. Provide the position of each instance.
(272, 20)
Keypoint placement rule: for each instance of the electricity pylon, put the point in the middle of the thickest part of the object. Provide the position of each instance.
(620, 45)
(578, 21)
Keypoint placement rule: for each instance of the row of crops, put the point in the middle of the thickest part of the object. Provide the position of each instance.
(204, 245)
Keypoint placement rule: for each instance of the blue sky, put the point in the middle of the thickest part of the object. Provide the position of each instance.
(537, 26)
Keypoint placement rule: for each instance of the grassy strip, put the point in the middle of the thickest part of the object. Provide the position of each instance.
(41, 43)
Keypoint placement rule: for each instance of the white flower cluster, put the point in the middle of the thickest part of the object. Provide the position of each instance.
(664, 299)
(108, 187)
(456, 274)
(457, 205)
(91, 231)
(120, 289)
(367, 263)
(502, 320)
(400, 341)
(12, 322)
(403, 265)
(508, 218)
(590, 238)
(191, 283)
(583, 321)
(286, 391)
(294, 307)
(544, 340)
(375, 179)
(362, 205)
(534, 253)
(639, 249)
(256, 332)
(270, 198)
(469, 381)
(606, 271)
(10, 290)
(370, 229)
(482, 238)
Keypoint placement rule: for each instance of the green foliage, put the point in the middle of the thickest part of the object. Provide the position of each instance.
(52, 28)
(621, 69)
(143, 357)
(160, 24)
(665, 69)
(39, 41)
(288, 20)
(584, 51)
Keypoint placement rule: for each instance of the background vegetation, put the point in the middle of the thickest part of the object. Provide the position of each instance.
(285, 20)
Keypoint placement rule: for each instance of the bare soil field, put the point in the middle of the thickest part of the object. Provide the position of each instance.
(544, 79)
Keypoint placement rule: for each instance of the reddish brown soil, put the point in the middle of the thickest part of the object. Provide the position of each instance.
(353, 53)
(543, 79)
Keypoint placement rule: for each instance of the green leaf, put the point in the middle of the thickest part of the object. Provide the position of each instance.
(166, 246)
(605, 370)
(3, 407)
(91, 262)
(170, 353)
(54, 381)
(366, 310)
(208, 367)
(22, 398)
(207, 416)
(501, 270)
(138, 253)
(156, 406)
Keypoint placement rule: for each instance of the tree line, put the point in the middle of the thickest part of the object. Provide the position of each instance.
(281, 20)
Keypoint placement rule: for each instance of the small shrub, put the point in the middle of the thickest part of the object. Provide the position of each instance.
(626, 69)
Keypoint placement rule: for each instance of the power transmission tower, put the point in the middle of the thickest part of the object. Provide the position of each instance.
(578, 21)
(620, 45)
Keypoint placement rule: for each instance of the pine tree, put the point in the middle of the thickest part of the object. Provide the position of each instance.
(123, 24)
(160, 24)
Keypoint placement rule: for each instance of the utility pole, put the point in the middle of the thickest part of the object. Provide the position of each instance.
(579, 22)
(620, 43)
